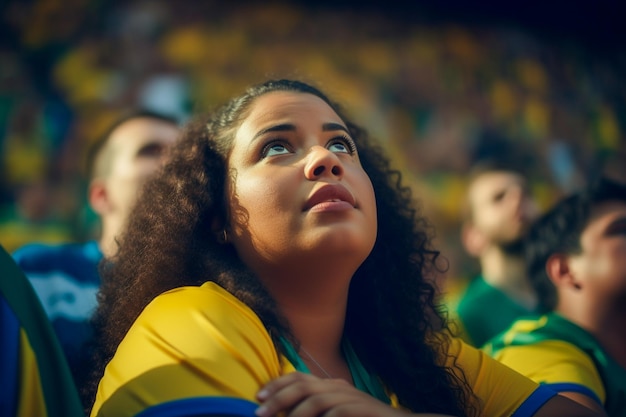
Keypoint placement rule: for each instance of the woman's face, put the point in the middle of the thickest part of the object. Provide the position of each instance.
(299, 196)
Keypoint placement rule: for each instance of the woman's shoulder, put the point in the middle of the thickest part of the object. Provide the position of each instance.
(195, 341)
(499, 389)
(189, 322)
(197, 296)
(195, 309)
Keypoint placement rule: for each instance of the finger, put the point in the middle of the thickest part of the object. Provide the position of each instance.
(339, 402)
(281, 382)
(295, 391)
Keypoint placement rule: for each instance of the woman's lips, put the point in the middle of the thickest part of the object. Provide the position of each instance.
(330, 197)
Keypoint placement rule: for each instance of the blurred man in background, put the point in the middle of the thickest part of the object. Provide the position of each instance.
(577, 263)
(65, 276)
(499, 210)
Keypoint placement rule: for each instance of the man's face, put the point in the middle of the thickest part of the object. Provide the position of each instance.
(137, 149)
(502, 207)
(601, 265)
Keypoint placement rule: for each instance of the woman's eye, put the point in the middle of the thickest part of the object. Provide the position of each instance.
(342, 145)
(274, 148)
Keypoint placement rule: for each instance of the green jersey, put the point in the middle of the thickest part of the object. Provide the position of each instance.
(554, 351)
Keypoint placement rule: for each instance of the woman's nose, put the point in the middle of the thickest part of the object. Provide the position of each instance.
(322, 162)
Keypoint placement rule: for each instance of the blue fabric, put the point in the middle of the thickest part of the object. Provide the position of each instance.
(533, 403)
(66, 280)
(203, 406)
(570, 387)
(10, 342)
(77, 260)
(59, 393)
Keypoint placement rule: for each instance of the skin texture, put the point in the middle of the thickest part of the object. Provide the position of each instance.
(276, 173)
(305, 395)
(501, 208)
(134, 151)
(601, 265)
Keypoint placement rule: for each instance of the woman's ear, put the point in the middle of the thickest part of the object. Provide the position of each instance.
(98, 197)
(560, 272)
(473, 239)
(219, 230)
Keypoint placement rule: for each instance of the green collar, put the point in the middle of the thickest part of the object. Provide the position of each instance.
(363, 380)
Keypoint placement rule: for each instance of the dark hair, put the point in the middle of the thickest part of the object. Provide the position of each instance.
(559, 231)
(392, 294)
(93, 152)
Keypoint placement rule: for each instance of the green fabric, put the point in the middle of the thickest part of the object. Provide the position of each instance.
(362, 379)
(559, 328)
(484, 311)
(60, 394)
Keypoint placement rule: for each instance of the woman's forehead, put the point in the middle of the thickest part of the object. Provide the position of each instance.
(288, 104)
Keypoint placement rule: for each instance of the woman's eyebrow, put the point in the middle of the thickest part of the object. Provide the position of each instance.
(285, 127)
(277, 128)
(334, 126)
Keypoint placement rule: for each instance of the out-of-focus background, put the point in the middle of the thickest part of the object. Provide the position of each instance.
(439, 85)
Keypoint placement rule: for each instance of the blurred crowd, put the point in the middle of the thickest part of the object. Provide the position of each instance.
(438, 96)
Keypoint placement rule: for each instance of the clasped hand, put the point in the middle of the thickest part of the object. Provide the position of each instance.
(304, 395)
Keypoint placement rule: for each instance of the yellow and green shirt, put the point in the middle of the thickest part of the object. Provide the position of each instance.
(196, 349)
(557, 353)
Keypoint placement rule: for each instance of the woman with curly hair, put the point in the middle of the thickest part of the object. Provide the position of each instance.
(277, 265)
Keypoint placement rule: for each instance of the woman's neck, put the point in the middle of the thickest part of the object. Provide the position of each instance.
(320, 338)
(315, 308)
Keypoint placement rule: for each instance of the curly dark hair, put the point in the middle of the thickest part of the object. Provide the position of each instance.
(170, 243)
(559, 231)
